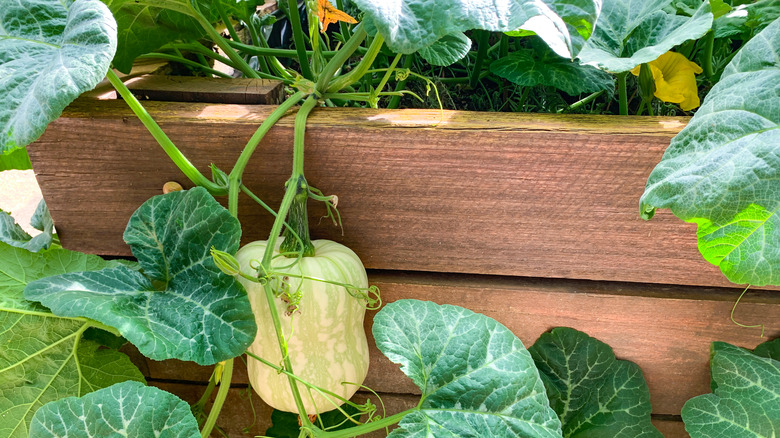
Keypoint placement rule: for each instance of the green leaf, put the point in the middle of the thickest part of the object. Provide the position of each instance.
(12, 234)
(722, 171)
(593, 393)
(745, 402)
(476, 377)
(628, 33)
(16, 160)
(42, 358)
(447, 50)
(411, 25)
(179, 305)
(127, 409)
(50, 52)
(769, 349)
(543, 67)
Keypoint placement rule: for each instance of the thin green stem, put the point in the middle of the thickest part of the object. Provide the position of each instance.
(219, 401)
(482, 49)
(367, 427)
(583, 101)
(340, 58)
(226, 20)
(343, 26)
(401, 85)
(386, 77)
(257, 41)
(503, 48)
(523, 97)
(299, 39)
(300, 127)
(709, 43)
(363, 66)
(215, 37)
(238, 169)
(184, 61)
(189, 170)
(199, 48)
(622, 93)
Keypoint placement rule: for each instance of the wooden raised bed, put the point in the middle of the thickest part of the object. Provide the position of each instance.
(531, 219)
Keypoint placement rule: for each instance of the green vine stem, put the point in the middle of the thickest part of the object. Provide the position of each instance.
(363, 66)
(226, 20)
(219, 41)
(482, 48)
(401, 85)
(219, 400)
(299, 39)
(340, 58)
(622, 93)
(581, 102)
(185, 61)
(709, 43)
(189, 170)
(238, 169)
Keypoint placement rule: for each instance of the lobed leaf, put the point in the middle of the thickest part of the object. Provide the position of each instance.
(593, 393)
(630, 33)
(127, 409)
(746, 398)
(43, 358)
(722, 171)
(476, 377)
(12, 234)
(50, 52)
(179, 304)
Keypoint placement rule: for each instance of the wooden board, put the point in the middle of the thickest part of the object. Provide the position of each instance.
(666, 331)
(201, 89)
(491, 193)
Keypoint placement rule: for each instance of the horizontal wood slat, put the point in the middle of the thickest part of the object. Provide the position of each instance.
(203, 89)
(666, 331)
(491, 193)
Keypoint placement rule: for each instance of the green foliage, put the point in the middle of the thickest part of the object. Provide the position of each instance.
(411, 25)
(628, 34)
(722, 171)
(179, 305)
(43, 358)
(529, 68)
(476, 377)
(12, 234)
(127, 409)
(285, 424)
(745, 401)
(58, 51)
(447, 50)
(593, 393)
(16, 160)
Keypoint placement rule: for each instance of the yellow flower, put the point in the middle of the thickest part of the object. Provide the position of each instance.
(675, 80)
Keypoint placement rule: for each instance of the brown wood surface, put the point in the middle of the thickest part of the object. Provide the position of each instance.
(491, 193)
(211, 90)
(667, 331)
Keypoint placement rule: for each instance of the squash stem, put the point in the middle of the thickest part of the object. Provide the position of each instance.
(189, 170)
(335, 63)
(219, 401)
(357, 73)
(299, 39)
(622, 93)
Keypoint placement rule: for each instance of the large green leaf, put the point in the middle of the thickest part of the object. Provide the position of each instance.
(746, 399)
(543, 67)
(476, 377)
(180, 305)
(770, 349)
(411, 25)
(447, 50)
(51, 51)
(12, 234)
(16, 160)
(127, 409)
(593, 393)
(42, 358)
(629, 33)
(722, 171)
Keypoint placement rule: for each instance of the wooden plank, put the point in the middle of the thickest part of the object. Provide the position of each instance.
(489, 193)
(667, 331)
(202, 89)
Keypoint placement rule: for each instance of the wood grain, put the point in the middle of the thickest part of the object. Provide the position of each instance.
(666, 331)
(492, 193)
(211, 90)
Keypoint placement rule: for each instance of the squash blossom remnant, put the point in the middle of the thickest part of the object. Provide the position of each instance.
(675, 80)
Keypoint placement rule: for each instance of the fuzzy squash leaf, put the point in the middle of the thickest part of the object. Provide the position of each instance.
(722, 171)
(447, 50)
(543, 67)
(593, 393)
(476, 377)
(411, 25)
(746, 399)
(50, 52)
(127, 409)
(179, 305)
(16, 160)
(12, 234)
(628, 33)
(42, 358)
